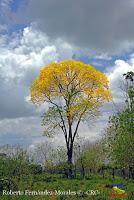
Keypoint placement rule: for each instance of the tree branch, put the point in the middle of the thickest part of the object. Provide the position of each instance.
(65, 130)
(78, 123)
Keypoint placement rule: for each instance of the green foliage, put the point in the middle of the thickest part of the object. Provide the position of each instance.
(7, 184)
(40, 182)
(35, 169)
(92, 157)
(119, 141)
(16, 168)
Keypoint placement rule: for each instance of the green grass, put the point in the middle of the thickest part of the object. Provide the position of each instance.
(55, 182)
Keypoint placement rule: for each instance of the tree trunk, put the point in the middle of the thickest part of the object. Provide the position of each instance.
(75, 171)
(83, 171)
(69, 155)
(113, 173)
(123, 173)
(130, 172)
(103, 172)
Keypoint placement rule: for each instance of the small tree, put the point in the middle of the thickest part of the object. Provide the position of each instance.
(91, 158)
(73, 91)
(119, 140)
(42, 152)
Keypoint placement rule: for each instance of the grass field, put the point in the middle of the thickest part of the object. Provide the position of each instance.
(91, 188)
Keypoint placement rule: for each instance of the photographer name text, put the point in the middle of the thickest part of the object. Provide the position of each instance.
(50, 193)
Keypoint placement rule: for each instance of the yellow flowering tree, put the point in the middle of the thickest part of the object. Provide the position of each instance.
(73, 91)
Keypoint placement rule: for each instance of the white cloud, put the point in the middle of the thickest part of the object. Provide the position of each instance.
(3, 28)
(4, 4)
(103, 56)
(23, 131)
(115, 75)
(21, 58)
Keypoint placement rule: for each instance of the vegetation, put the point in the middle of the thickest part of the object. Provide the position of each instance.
(119, 140)
(40, 180)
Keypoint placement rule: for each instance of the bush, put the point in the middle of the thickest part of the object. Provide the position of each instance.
(7, 184)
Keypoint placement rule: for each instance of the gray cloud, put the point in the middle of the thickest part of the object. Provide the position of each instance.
(100, 26)
(22, 131)
(12, 103)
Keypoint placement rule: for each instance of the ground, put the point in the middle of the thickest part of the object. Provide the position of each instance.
(91, 188)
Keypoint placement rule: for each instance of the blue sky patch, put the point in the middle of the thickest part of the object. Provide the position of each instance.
(15, 4)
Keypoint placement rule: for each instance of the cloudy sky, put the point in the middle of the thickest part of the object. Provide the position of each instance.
(34, 33)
